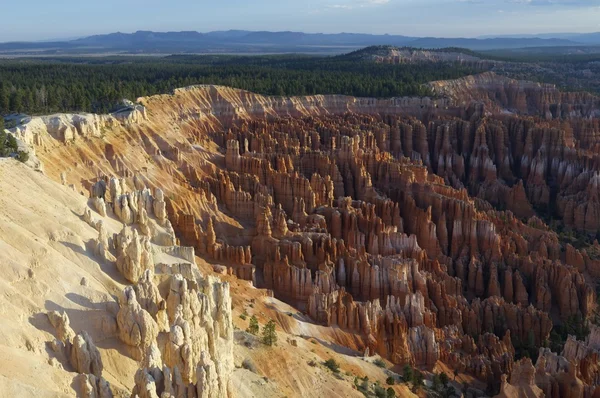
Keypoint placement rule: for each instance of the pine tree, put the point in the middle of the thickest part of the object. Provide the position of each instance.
(253, 326)
(16, 101)
(9, 146)
(417, 381)
(269, 334)
(4, 101)
(2, 143)
(407, 373)
(436, 383)
(444, 379)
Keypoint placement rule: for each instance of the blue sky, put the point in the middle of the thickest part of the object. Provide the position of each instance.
(50, 19)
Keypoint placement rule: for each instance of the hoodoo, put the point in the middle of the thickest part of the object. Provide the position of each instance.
(408, 228)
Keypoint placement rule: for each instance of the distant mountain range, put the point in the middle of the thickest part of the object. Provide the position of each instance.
(240, 41)
(579, 38)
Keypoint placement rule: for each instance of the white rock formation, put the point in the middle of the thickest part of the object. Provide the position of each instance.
(149, 297)
(136, 326)
(134, 254)
(99, 205)
(94, 387)
(69, 127)
(102, 244)
(79, 349)
(84, 355)
(160, 210)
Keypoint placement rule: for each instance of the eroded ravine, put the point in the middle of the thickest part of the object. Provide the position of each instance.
(375, 217)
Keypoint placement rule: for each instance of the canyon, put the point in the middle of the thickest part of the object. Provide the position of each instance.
(442, 233)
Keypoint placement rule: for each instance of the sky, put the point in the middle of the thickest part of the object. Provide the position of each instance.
(28, 20)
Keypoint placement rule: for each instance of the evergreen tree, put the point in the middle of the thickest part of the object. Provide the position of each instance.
(3, 151)
(16, 101)
(417, 381)
(9, 146)
(436, 384)
(98, 84)
(444, 379)
(407, 373)
(253, 326)
(4, 100)
(269, 334)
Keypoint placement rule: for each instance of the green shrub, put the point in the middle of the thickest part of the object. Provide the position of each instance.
(22, 156)
(380, 391)
(332, 365)
(364, 386)
(9, 146)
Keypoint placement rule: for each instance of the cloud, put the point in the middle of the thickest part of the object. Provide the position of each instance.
(563, 3)
(573, 3)
(351, 5)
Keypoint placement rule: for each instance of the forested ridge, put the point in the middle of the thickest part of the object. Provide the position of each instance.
(41, 86)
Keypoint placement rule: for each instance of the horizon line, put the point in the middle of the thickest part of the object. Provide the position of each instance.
(478, 37)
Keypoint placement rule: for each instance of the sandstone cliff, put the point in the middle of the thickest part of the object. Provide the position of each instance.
(410, 224)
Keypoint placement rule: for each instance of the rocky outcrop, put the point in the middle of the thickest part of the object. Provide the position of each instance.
(388, 328)
(93, 387)
(156, 382)
(545, 100)
(394, 55)
(197, 356)
(82, 354)
(159, 206)
(80, 349)
(134, 254)
(358, 224)
(85, 357)
(521, 383)
(148, 296)
(409, 224)
(136, 326)
(222, 252)
(71, 127)
(583, 355)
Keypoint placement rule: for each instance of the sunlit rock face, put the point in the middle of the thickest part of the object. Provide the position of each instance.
(415, 225)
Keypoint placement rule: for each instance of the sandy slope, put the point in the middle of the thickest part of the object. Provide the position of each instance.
(45, 265)
(45, 255)
(43, 260)
(294, 368)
